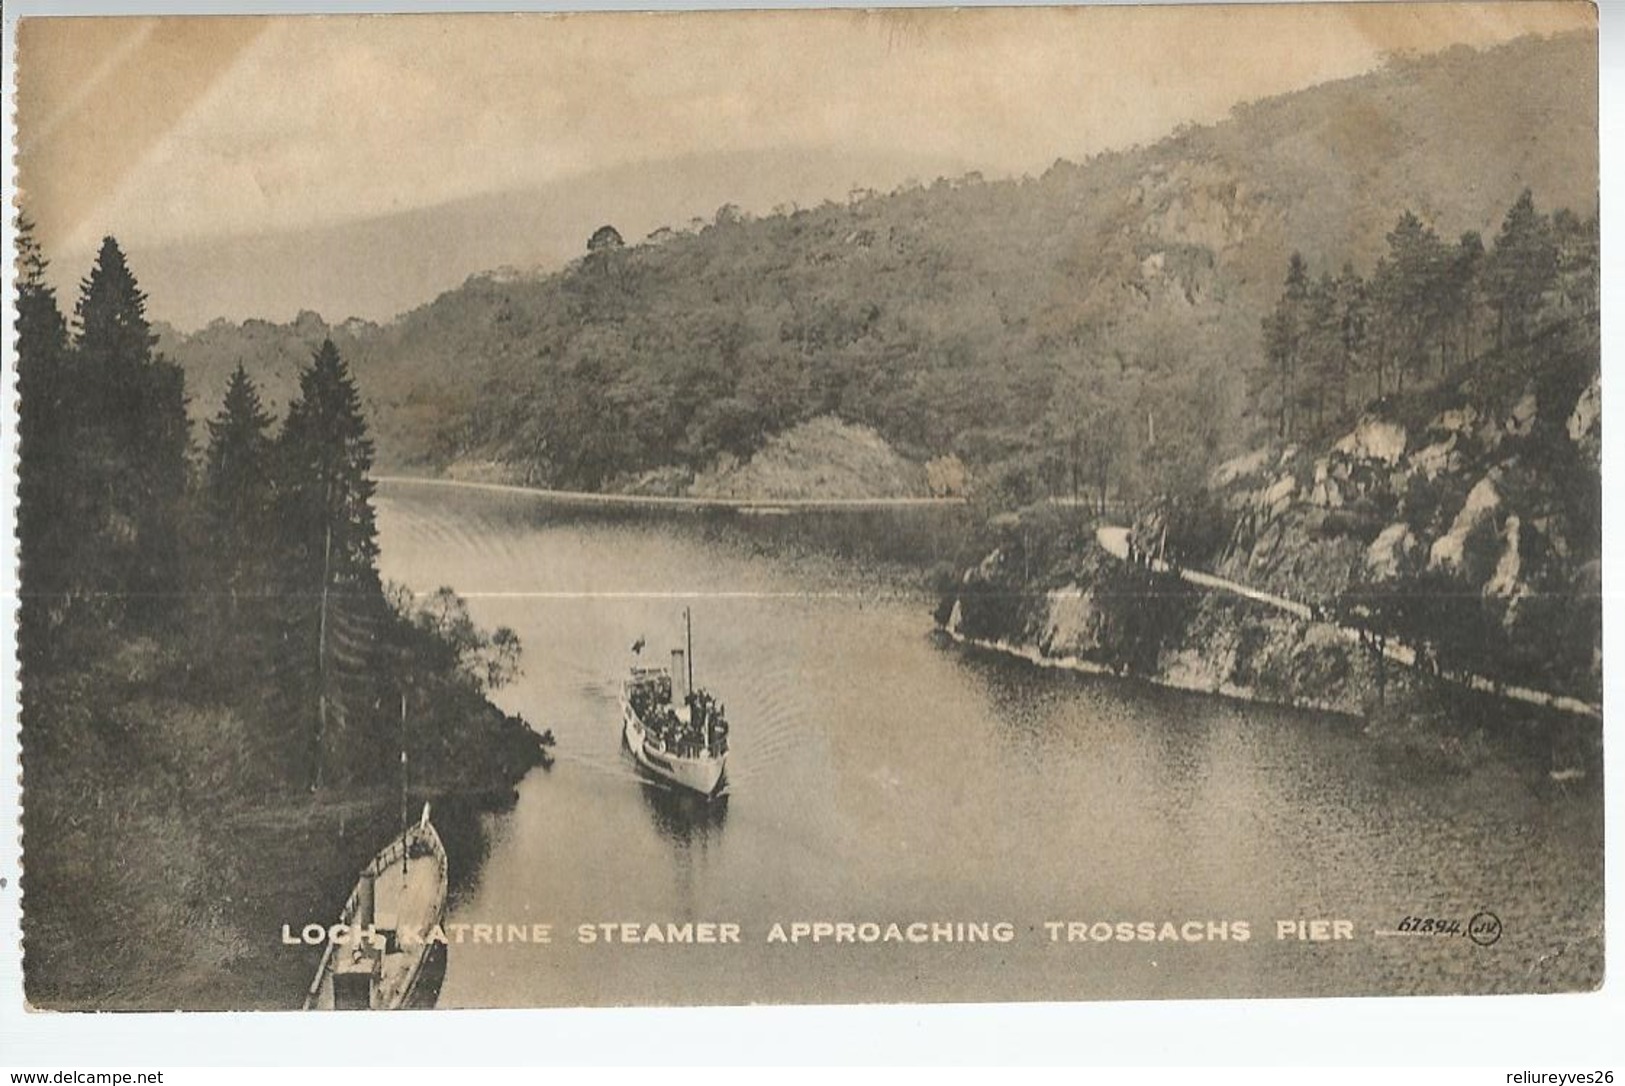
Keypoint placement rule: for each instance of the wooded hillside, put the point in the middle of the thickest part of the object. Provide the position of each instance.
(988, 320)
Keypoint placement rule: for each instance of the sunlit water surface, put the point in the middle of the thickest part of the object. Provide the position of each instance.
(879, 775)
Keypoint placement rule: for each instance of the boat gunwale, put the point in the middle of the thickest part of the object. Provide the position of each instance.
(385, 858)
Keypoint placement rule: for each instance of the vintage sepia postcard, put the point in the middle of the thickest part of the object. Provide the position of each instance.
(986, 505)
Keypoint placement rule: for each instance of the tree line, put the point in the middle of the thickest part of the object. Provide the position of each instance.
(1429, 308)
(256, 560)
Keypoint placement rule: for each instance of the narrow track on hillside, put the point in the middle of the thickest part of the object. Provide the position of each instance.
(1114, 540)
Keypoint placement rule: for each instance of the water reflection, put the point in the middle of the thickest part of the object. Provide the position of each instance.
(688, 821)
(884, 775)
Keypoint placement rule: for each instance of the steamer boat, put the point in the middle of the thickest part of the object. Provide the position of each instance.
(676, 732)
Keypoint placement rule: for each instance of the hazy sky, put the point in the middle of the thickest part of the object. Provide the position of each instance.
(171, 131)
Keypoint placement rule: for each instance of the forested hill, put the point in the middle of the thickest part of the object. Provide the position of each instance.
(982, 319)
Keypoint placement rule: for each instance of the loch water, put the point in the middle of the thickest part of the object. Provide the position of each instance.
(880, 775)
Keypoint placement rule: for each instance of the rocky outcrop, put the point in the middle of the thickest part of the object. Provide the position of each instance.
(1374, 439)
(1584, 425)
(1390, 553)
(1214, 644)
(1479, 503)
(1448, 552)
(1194, 203)
(821, 458)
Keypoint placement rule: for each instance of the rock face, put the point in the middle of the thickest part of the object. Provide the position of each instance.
(1437, 459)
(1196, 204)
(1390, 551)
(1520, 421)
(821, 458)
(1504, 582)
(1449, 550)
(1481, 504)
(1373, 439)
(1207, 643)
(1072, 623)
(1585, 422)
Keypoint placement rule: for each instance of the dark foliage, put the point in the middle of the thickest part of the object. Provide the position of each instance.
(185, 637)
(1430, 310)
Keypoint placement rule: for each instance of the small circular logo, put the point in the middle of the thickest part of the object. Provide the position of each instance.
(1484, 929)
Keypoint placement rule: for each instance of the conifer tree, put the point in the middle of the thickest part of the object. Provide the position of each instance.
(1410, 294)
(237, 492)
(1323, 349)
(1283, 330)
(1467, 267)
(1522, 268)
(135, 439)
(325, 457)
(46, 467)
(328, 531)
(1578, 266)
(1354, 324)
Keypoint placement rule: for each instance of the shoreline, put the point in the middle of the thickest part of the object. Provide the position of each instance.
(1459, 737)
(1077, 665)
(762, 506)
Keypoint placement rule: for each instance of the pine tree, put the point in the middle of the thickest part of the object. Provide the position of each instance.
(1522, 268)
(328, 530)
(135, 441)
(1354, 323)
(237, 491)
(1325, 369)
(1411, 294)
(1577, 280)
(325, 458)
(46, 524)
(1283, 330)
(1467, 269)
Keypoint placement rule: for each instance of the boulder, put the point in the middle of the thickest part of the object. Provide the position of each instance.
(1448, 550)
(1585, 421)
(1386, 556)
(1520, 421)
(1437, 458)
(1551, 530)
(1373, 439)
(1239, 467)
(1327, 494)
(1458, 420)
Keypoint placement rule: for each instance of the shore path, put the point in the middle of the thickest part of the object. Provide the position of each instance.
(635, 501)
(1114, 541)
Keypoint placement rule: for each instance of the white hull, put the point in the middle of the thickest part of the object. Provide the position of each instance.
(705, 775)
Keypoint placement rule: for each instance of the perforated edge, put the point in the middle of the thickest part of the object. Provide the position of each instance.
(11, 779)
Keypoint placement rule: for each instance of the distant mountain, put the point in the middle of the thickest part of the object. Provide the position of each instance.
(380, 267)
(960, 317)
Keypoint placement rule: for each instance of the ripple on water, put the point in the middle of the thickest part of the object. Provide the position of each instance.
(877, 775)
